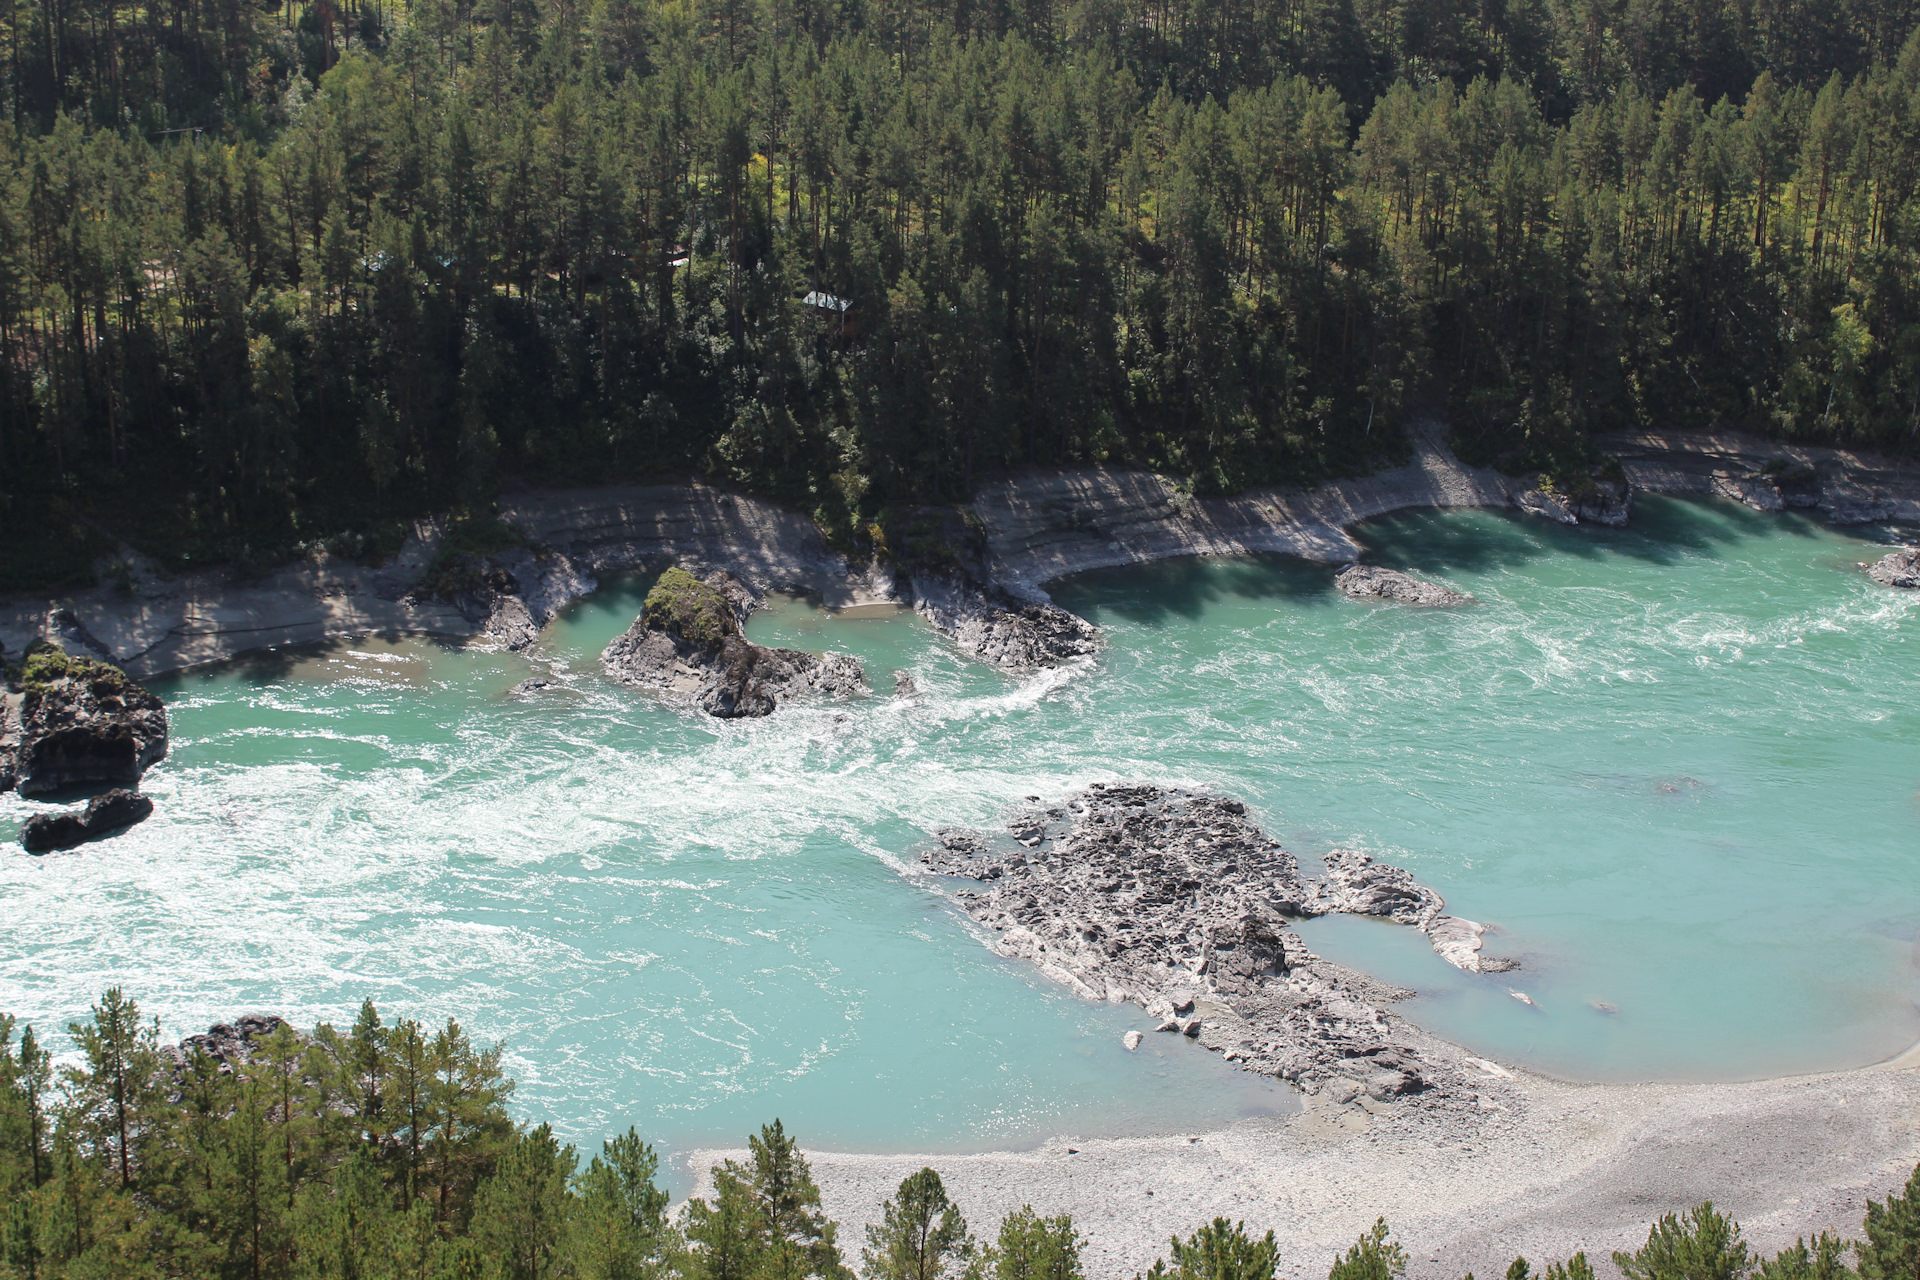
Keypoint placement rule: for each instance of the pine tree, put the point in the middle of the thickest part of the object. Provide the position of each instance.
(920, 1235)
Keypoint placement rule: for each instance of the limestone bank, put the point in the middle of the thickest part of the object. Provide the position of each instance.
(1030, 529)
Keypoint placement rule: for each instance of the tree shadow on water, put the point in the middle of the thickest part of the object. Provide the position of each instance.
(1662, 530)
(1155, 594)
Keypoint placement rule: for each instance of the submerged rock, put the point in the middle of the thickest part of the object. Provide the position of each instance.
(104, 814)
(992, 626)
(687, 640)
(76, 722)
(1363, 581)
(1898, 569)
(1178, 902)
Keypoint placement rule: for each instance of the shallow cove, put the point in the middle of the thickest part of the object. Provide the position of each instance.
(1675, 764)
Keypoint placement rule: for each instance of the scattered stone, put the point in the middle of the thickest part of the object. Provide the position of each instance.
(1132, 1040)
(1601, 1006)
(688, 641)
(992, 626)
(1364, 581)
(77, 722)
(1457, 941)
(105, 813)
(1176, 901)
(1898, 569)
(903, 685)
(532, 684)
(1522, 997)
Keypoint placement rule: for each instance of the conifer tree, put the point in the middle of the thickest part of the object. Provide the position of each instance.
(920, 1236)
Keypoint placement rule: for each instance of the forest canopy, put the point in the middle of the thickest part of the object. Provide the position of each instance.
(275, 275)
(386, 1151)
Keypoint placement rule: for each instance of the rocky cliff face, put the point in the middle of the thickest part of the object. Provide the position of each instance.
(75, 722)
(510, 595)
(687, 641)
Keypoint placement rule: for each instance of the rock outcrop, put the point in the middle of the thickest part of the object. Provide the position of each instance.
(687, 641)
(510, 595)
(1898, 569)
(106, 813)
(1601, 499)
(76, 722)
(1176, 901)
(231, 1045)
(994, 627)
(1365, 581)
(1356, 885)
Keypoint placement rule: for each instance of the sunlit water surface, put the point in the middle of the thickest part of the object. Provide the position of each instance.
(1675, 767)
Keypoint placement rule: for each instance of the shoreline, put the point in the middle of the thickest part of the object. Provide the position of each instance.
(1561, 1167)
(1038, 527)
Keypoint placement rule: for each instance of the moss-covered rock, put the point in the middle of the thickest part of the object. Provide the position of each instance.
(687, 642)
(691, 610)
(79, 722)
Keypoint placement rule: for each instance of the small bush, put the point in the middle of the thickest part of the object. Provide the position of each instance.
(43, 664)
(682, 605)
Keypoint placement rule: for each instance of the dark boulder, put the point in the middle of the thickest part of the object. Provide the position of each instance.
(78, 722)
(104, 814)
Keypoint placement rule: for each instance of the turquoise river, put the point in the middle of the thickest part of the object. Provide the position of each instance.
(1675, 766)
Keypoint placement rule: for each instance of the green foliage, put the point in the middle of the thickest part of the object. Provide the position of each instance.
(1031, 1247)
(1891, 1250)
(278, 277)
(1374, 1256)
(386, 1151)
(682, 605)
(920, 1235)
(44, 664)
(1575, 1268)
(1704, 1245)
(1221, 1250)
(1824, 1260)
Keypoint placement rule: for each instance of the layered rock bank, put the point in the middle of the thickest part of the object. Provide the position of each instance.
(1178, 902)
(687, 642)
(69, 721)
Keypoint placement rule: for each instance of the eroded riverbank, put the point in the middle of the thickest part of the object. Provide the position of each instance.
(1036, 528)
